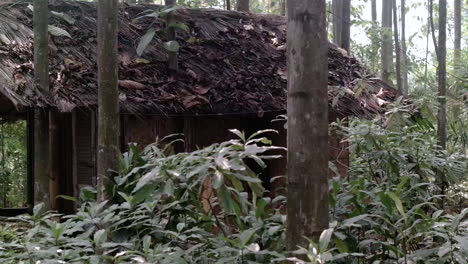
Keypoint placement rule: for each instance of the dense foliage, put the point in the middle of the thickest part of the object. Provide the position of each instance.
(13, 165)
(388, 210)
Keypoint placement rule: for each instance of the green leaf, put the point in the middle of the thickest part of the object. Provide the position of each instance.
(182, 26)
(152, 14)
(456, 220)
(171, 46)
(238, 133)
(38, 209)
(167, 10)
(145, 41)
(386, 201)
(68, 198)
(58, 32)
(402, 183)
(218, 179)
(246, 236)
(325, 239)
(398, 204)
(225, 199)
(100, 236)
(70, 20)
(341, 245)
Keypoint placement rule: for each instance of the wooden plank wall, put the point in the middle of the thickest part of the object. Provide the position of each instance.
(199, 132)
(145, 130)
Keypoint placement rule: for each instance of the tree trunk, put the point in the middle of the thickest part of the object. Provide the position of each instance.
(41, 118)
(430, 27)
(108, 95)
(307, 209)
(346, 25)
(228, 4)
(442, 75)
(283, 7)
(457, 55)
(374, 37)
(243, 5)
(386, 50)
(173, 64)
(404, 63)
(337, 10)
(397, 47)
(374, 11)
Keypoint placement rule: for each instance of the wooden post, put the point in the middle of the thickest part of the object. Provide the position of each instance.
(54, 158)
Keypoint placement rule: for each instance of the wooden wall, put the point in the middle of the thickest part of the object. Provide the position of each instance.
(78, 134)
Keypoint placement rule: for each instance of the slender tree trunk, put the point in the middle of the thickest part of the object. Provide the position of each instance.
(108, 95)
(346, 28)
(173, 63)
(283, 7)
(243, 5)
(397, 47)
(404, 63)
(386, 50)
(375, 39)
(429, 28)
(228, 4)
(41, 118)
(374, 11)
(440, 48)
(337, 10)
(457, 55)
(442, 76)
(307, 209)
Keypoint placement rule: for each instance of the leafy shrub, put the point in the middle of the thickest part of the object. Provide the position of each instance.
(388, 211)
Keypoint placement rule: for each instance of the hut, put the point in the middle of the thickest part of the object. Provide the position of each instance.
(232, 74)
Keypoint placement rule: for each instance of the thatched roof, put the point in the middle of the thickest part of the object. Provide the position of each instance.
(230, 62)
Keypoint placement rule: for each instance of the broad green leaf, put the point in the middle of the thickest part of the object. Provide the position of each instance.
(70, 20)
(182, 26)
(325, 239)
(100, 236)
(456, 220)
(171, 46)
(246, 236)
(398, 204)
(225, 199)
(68, 198)
(145, 41)
(217, 180)
(58, 32)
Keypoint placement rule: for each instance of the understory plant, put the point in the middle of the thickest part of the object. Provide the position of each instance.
(209, 206)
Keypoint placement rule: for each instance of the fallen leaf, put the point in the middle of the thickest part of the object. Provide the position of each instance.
(201, 90)
(194, 100)
(129, 84)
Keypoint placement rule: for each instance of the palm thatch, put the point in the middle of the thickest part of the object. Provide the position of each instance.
(230, 62)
